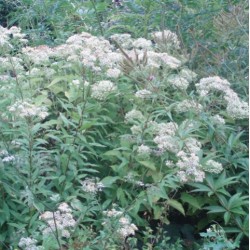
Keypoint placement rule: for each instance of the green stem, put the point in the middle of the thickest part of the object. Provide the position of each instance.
(16, 78)
(97, 17)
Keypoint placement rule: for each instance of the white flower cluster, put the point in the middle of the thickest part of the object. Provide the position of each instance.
(6, 156)
(142, 43)
(166, 38)
(136, 129)
(182, 79)
(165, 139)
(169, 164)
(25, 109)
(144, 150)
(236, 108)
(39, 55)
(214, 83)
(62, 220)
(8, 36)
(156, 60)
(218, 120)
(169, 128)
(188, 74)
(192, 145)
(143, 94)
(124, 40)
(190, 168)
(167, 143)
(45, 71)
(11, 63)
(212, 166)
(188, 105)
(153, 60)
(113, 213)
(91, 186)
(113, 73)
(93, 52)
(178, 82)
(134, 115)
(96, 53)
(125, 227)
(29, 244)
(131, 179)
(4, 152)
(102, 89)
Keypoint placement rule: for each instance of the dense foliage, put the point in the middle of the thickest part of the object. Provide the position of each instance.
(123, 125)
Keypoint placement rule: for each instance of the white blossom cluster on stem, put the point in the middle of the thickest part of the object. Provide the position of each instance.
(29, 243)
(102, 89)
(25, 109)
(123, 225)
(60, 221)
(236, 108)
(190, 168)
(134, 115)
(10, 36)
(91, 186)
(212, 166)
(167, 39)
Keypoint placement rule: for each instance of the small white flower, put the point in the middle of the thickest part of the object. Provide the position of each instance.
(169, 164)
(76, 83)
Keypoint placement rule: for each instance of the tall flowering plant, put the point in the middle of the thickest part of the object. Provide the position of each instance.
(93, 122)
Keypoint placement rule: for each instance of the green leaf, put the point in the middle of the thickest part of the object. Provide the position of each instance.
(18, 226)
(215, 209)
(227, 217)
(61, 178)
(177, 205)
(190, 200)
(113, 153)
(56, 80)
(66, 121)
(148, 164)
(121, 196)
(109, 180)
(200, 187)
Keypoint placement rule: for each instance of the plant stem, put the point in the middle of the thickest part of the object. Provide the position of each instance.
(97, 17)
(16, 78)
